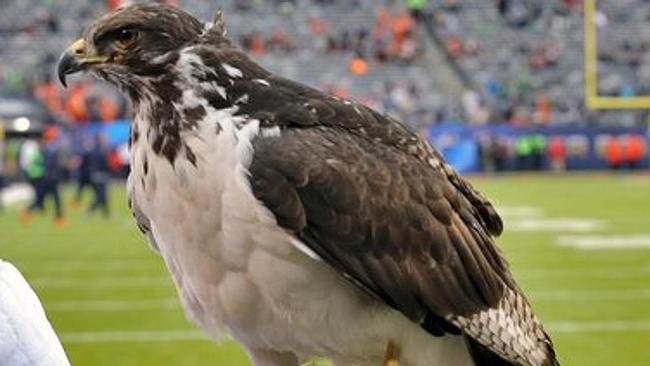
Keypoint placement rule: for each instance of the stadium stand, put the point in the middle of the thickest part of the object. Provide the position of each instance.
(517, 61)
(526, 57)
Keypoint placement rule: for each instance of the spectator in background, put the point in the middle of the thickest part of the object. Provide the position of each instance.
(83, 169)
(573, 4)
(114, 4)
(409, 48)
(635, 151)
(359, 66)
(382, 35)
(76, 103)
(557, 153)
(99, 175)
(319, 26)
(30, 162)
(279, 40)
(518, 13)
(452, 6)
(503, 6)
(524, 151)
(538, 145)
(360, 41)
(47, 20)
(50, 94)
(474, 107)
(46, 171)
(53, 164)
(34, 171)
(454, 46)
(500, 152)
(416, 8)
(486, 153)
(543, 110)
(101, 108)
(614, 153)
(254, 42)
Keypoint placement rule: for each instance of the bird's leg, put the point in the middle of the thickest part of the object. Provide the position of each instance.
(392, 355)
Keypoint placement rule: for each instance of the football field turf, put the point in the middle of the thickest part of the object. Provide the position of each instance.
(579, 245)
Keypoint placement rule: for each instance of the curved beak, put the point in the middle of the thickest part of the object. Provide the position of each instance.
(75, 59)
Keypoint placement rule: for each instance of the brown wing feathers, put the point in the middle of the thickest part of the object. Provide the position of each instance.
(376, 218)
(382, 208)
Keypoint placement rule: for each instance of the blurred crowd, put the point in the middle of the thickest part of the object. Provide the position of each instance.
(520, 60)
(362, 49)
(525, 58)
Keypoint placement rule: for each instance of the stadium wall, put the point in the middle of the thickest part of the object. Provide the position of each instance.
(464, 145)
(586, 147)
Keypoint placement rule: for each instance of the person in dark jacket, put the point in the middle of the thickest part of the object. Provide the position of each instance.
(83, 172)
(47, 171)
(99, 174)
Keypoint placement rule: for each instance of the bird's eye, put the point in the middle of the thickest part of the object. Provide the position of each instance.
(125, 37)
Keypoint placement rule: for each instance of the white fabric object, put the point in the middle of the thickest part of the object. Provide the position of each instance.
(26, 336)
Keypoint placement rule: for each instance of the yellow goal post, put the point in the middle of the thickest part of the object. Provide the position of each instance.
(592, 99)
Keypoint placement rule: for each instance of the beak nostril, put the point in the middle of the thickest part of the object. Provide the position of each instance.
(78, 48)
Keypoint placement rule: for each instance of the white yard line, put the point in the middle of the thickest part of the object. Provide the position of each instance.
(113, 282)
(556, 224)
(512, 212)
(111, 305)
(641, 241)
(89, 265)
(534, 219)
(140, 336)
(599, 327)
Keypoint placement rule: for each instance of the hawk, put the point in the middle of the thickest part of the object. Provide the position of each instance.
(299, 223)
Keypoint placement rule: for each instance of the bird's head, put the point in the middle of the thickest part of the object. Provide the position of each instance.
(132, 43)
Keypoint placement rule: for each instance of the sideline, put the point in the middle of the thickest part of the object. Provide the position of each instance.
(112, 305)
(94, 283)
(126, 336)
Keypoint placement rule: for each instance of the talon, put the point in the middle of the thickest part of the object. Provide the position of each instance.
(392, 355)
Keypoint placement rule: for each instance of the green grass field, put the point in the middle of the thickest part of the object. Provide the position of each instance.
(111, 301)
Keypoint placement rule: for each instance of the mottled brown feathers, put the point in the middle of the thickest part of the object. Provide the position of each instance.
(365, 203)
(379, 205)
